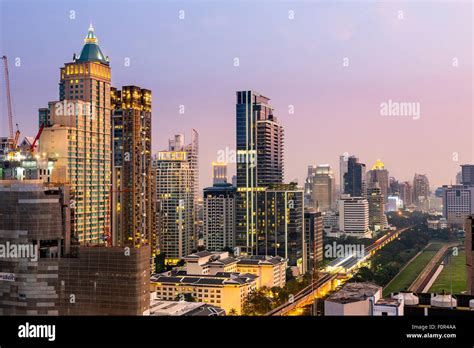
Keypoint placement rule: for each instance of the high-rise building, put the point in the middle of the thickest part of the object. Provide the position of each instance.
(320, 189)
(467, 174)
(459, 178)
(313, 238)
(282, 221)
(375, 199)
(469, 247)
(394, 187)
(77, 134)
(458, 204)
(259, 146)
(176, 176)
(133, 208)
(406, 193)
(219, 217)
(378, 174)
(343, 159)
(354, 178)
(421, 189)
(354, 216)
(219, 173)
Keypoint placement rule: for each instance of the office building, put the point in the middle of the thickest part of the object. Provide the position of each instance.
(320, 188)
(176, 180)
(219, 217)
(406, 193)
(375, 200)
(458, 204)
(354, 216)
(77, 134)
(313, 239)
(282, 222)
(421, 191)
(354, 178)
(133, 208)
(343, 159)
(467, 174)
(259, 147)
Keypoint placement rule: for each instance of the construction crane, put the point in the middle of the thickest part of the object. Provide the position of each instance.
(33, 145)
(17, 137)
(9, 100)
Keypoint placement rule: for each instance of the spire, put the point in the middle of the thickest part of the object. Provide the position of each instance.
(91, 50)
(91, 38)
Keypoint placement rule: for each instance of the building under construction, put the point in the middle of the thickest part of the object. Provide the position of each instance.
(44, 271)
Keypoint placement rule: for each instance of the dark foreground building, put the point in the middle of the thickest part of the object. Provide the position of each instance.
(43, 270)
(469, 247)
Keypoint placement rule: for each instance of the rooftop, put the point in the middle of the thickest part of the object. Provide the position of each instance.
(178, 308)
(91, 50)
(220, 278)
(354, 292)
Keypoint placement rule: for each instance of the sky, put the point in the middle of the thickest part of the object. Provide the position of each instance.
(327, 66)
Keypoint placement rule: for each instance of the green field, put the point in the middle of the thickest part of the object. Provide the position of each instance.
(456, 269)
(406, 277)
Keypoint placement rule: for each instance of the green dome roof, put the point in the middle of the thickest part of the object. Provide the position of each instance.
(91, 50)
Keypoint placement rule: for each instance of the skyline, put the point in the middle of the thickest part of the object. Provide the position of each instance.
(308, 75)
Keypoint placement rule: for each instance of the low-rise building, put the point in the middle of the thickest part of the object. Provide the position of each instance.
(226, 290)
(271, 270)
(353, 299)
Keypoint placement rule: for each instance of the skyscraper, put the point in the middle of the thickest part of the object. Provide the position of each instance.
(219, 217)
(313, 238)
(354, 216)
(375, 199)
(343, 159)
(421, 189)
(77, 134)
(259, 146)
(467, 174)
(378, 174)
(406, 193)
(354, 178)
(282, 220)
(176, 176)
(320, 187)
(133, 211)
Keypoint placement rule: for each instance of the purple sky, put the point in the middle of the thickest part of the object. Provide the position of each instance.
(295, 62)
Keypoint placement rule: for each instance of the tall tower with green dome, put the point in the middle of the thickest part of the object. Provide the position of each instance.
(81, 140)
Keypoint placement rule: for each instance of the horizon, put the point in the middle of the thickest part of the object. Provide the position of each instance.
(334, 83)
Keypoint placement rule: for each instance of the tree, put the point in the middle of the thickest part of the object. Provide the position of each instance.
(257, 303)
(232, 312)
(160, 263)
